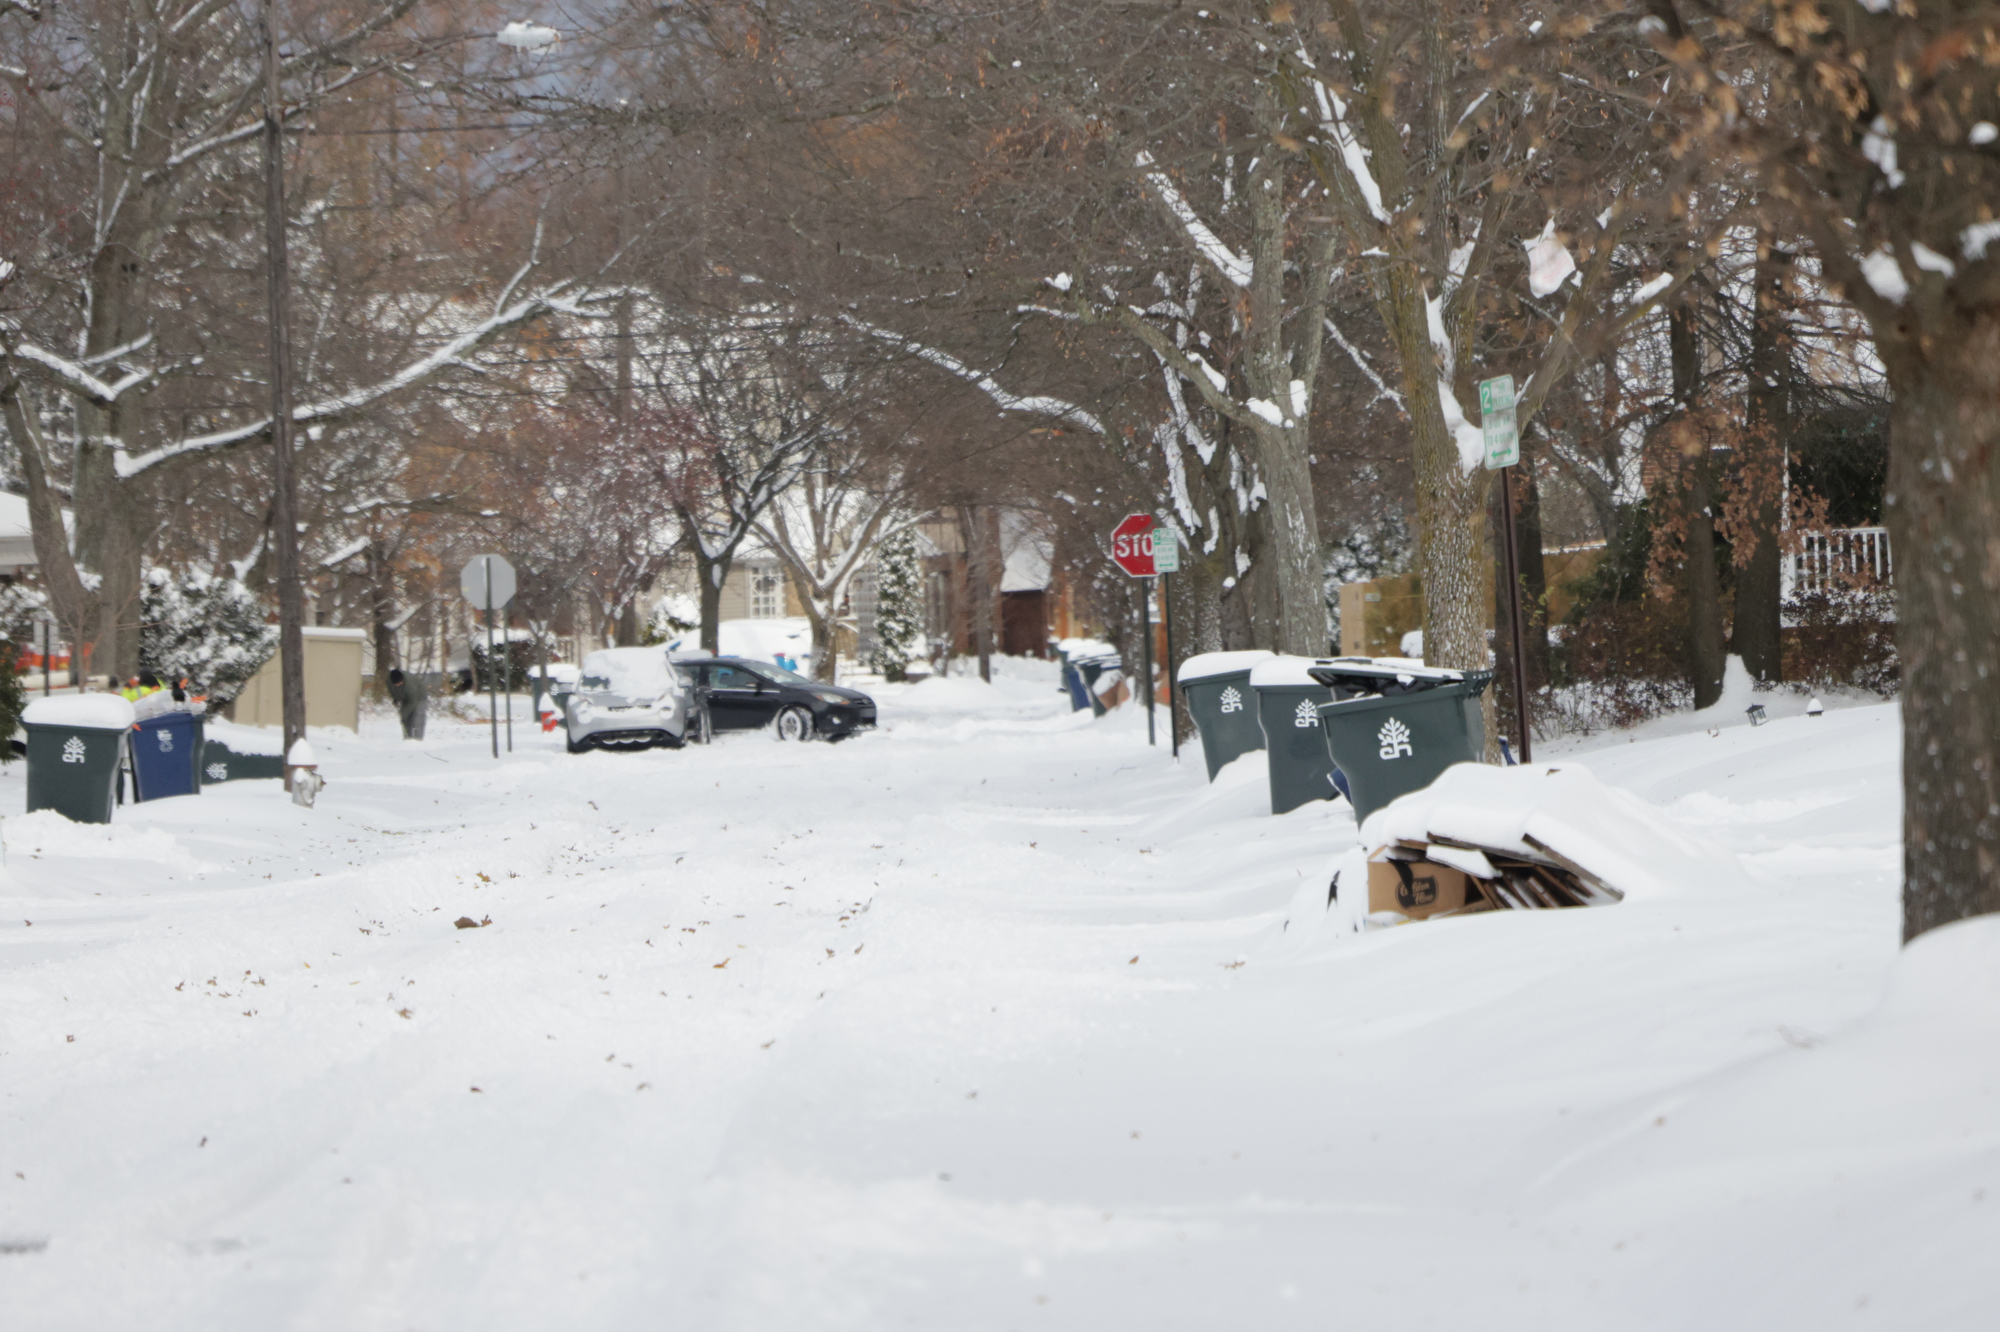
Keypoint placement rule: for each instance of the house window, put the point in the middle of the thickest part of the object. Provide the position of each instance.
(767, 595)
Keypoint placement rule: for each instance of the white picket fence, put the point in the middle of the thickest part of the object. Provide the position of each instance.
(1831, 558)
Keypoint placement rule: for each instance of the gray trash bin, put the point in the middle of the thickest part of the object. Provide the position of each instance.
(1092, 669)
(1389, 744)
(1216, 686)
(1288, 702)
(76, 744)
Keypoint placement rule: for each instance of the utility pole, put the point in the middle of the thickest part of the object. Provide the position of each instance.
(284, 502)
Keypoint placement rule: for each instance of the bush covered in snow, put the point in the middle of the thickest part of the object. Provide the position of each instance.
(11, 697)
(899, 606)
(676, 614)
(210, 629)
(22, 610)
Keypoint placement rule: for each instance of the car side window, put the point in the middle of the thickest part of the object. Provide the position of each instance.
(729, 677)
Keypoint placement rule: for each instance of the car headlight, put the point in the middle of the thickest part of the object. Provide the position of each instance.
(835, 699)
(583, 709)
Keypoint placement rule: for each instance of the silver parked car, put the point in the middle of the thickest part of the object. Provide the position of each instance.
(631, 697)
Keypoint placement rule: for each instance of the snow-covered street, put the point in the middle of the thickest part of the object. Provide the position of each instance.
(994, 1018)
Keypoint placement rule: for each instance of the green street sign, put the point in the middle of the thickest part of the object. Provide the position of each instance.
(1496, 421)
(1166, 550)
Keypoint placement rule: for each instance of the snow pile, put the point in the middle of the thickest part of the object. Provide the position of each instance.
(301, 755)
(1559, 809)
(267, 741)
(756, 640)
(47, 833)
(97, 712)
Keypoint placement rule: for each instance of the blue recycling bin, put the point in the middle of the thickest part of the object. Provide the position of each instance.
(166, 756)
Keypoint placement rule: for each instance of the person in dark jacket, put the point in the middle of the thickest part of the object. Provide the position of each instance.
(412, 702)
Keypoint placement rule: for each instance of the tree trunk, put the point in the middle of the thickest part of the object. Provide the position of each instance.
(1451, 500)
(1761, 473)
(1943, 509)
(382, 609)
(979, 583)
(1704, 591)
(1701, 581)
(709, 575)
(628, 624)
(75, 609)
(1534, 574)
(821, 616)
(1294, 566)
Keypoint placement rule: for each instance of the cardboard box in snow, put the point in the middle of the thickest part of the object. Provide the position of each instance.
(1531, 837)
(1402, 881)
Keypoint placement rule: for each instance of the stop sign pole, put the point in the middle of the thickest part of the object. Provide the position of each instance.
(490, 578)
(1145, 550)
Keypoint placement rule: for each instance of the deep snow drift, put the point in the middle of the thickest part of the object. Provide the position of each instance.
(992, 1019)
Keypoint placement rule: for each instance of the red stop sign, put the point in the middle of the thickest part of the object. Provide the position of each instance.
(1132, 545)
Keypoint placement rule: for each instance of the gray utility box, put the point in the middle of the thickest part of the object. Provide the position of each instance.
(1400, 737)
(76, 744)
(1216, 686)
(1288, 701)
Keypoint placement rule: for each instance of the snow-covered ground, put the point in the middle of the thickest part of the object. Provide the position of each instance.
(992, 1019)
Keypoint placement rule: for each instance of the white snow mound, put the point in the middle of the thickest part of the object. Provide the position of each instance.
(103, 712)
(1562, 808)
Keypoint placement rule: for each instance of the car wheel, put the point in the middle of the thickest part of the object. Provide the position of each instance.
(794, 723)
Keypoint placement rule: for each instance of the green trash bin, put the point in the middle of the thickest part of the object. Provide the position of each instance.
(1288, 702)
(221, 763)
(1216, 686)
(1388, 744)
(76, 744)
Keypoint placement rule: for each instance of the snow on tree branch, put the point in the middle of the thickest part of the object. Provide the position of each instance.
(1036, 405)
(559, 299)
(1233, 267)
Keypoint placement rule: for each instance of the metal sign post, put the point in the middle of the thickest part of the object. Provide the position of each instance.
(1167, 562)
(1503, 453)
(489, 580)
(1133, 551)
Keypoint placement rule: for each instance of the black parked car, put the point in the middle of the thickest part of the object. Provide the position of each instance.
(743, 695)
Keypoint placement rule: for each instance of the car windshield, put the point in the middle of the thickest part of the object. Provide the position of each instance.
(781, 675)
(631, 672)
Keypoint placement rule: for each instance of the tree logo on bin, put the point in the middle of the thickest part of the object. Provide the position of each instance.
(1304, 714)
(1231, 700)
(166, 741)
(1394, 738)
(218, 772)
(73, 750)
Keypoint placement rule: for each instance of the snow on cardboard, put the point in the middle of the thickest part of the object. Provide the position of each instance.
(1531, 836)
